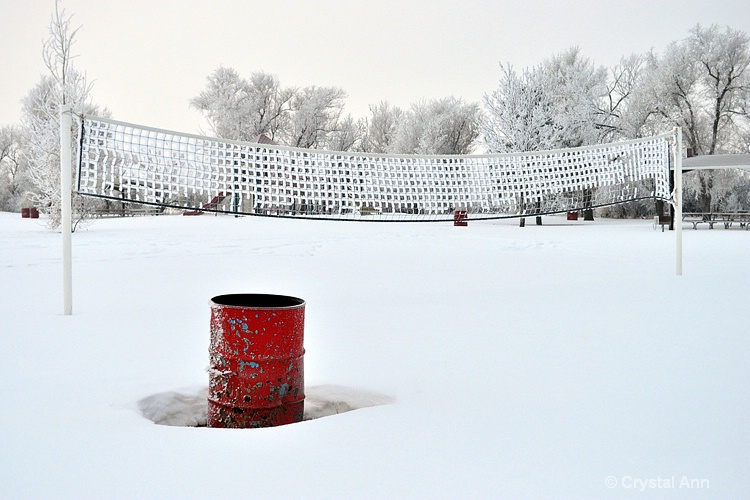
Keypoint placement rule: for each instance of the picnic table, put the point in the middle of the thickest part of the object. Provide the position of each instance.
(742, 218)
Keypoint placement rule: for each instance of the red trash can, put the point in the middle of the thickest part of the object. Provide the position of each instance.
(459, 218)
(33, 213)
(256, 371)
(25, 213)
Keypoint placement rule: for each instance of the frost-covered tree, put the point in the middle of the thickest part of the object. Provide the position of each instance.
(519, 113)
(702, 84)
(742, 141)
(347, 136)
(629, 111)
(40, 119)
(439, 126)
(559, 104)
(452, 126)
(409, 129)
(380, 127)
(579, 91)
(14, 183)
(241, 109)
(316, 113)
(729, 191)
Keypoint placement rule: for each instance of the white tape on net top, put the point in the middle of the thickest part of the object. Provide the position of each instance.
(139, 164)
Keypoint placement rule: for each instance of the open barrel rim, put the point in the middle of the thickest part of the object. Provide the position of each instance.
(257, 301)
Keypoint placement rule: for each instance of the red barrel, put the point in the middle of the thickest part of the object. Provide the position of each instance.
(25, 213)
(33, 213)
(459, 218)
(256, 372)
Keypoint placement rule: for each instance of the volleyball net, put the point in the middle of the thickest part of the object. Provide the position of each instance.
(130, 163)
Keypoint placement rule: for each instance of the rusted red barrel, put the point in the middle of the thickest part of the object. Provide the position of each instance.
(33, 213)
(256, 371)
(25, 213)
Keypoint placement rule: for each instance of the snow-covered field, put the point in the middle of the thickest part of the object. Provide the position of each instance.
(491, 361)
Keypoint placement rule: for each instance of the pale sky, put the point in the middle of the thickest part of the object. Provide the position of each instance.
(148, 58)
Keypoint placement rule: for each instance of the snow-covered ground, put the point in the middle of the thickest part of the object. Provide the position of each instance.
(488, 361)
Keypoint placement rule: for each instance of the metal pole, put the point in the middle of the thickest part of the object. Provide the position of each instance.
(678, 199)
(66, 123)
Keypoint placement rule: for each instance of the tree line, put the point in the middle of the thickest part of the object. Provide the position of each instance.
(313, 117)
(700, 83)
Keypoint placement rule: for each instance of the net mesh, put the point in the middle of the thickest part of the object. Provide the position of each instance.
(136, 164)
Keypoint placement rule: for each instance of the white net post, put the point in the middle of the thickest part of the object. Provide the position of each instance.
(66, 206)
(678, 199)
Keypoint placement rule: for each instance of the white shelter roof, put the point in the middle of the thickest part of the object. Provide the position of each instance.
(706, 162)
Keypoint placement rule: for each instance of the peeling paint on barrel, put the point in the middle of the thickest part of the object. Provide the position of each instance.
(256, 372)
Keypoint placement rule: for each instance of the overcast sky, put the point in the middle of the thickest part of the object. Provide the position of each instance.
(148, 58)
